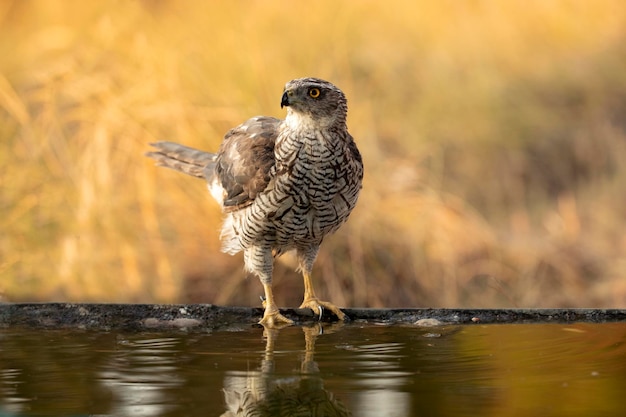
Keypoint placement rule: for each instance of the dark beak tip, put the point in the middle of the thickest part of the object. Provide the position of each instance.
(284, 101)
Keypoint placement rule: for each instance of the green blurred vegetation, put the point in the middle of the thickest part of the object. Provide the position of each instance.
(493, 133)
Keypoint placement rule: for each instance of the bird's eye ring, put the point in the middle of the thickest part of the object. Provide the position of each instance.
(314, 92)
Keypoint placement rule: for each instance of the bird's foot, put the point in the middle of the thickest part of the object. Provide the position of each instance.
(318, 307)
(275, 320)
(272, 318)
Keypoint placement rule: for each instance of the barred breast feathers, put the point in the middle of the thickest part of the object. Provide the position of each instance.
(311, 194)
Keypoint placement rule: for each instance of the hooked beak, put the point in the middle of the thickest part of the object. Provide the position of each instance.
(284, 101)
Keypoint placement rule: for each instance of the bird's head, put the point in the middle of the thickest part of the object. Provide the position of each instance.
(314, 100)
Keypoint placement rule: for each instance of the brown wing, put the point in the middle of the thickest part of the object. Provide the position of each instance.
(245, 160)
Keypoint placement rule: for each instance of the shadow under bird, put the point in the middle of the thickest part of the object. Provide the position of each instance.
(282, 184)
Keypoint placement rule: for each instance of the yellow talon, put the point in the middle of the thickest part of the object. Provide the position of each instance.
(275, 320)
(318, 307)
(272, 318)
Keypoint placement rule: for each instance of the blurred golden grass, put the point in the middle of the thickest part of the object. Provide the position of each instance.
(493, 135)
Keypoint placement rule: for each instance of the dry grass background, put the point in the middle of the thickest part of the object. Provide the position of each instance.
(494, 137)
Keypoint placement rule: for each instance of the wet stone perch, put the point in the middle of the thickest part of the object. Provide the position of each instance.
(207, 317)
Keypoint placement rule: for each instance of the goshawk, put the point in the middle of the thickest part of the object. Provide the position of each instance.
(282, 184)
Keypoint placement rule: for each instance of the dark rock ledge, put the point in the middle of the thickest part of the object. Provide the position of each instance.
(207, 317)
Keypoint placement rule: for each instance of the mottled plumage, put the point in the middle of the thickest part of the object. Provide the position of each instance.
(282, 184)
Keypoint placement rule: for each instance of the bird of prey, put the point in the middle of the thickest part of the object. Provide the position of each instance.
(282, 184)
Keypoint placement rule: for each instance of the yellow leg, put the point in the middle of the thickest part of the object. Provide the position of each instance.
(312, 302)
(272, 317)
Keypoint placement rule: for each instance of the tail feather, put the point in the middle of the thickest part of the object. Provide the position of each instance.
(183, 159)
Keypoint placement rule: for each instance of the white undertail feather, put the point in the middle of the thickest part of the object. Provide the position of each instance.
(228, 236)
(217, 191)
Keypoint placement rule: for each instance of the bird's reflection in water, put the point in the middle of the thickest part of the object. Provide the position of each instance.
(263, 393)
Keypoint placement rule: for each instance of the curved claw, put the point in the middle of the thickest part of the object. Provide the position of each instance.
(318, 307)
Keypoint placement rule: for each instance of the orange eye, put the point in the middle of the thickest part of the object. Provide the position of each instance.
(314, 92)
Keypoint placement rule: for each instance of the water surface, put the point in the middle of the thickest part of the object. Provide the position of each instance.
(359, 370)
